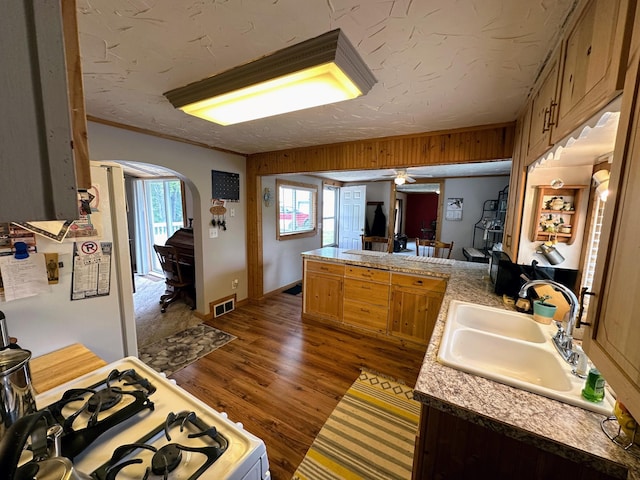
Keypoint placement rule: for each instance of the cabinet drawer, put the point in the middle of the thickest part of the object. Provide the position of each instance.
(366, 291)
(429, 283)
(334, 268)
(364, 315)
(370, 274)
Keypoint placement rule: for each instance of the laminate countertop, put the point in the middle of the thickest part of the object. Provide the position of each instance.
(565, 430)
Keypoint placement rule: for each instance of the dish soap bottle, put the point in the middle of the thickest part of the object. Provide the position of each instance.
(594, 386)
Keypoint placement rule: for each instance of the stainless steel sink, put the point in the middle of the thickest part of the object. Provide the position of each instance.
(511, 348)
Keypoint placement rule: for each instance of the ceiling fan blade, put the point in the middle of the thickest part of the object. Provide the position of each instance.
(410, 180)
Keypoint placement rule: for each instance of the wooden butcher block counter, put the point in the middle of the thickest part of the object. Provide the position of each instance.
(58, 367)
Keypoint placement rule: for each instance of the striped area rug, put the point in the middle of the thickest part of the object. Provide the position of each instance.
(369, 435)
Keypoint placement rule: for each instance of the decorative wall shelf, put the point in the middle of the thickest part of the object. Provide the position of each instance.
(554, 214)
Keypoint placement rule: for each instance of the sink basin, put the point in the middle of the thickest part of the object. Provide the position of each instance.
(524, 364)
(493, 320)
(511, 348)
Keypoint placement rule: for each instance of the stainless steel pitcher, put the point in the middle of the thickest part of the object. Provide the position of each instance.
(17, 397)
(553, 256)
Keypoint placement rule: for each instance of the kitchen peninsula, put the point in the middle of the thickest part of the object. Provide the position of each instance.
(472, 424)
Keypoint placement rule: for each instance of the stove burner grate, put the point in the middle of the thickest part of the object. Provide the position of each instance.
(102, 396)
(104, 399)
(169, 456)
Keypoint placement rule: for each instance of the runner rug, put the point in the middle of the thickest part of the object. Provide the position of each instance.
(183, 348)
(370, 434)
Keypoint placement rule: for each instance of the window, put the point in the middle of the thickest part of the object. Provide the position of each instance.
(159, 213)
(297, 210)
(329, 216)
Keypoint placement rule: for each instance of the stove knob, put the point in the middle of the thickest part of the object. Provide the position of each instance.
(240, 425)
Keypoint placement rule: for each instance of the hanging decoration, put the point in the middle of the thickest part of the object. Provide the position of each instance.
(218, 211)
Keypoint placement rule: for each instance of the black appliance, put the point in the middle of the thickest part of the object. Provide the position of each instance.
(506, 275)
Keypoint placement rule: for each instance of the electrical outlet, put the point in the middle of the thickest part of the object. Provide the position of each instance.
(234, 283)
(232, 212)
(213, 232)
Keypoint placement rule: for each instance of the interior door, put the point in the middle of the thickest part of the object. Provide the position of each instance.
(352, 214)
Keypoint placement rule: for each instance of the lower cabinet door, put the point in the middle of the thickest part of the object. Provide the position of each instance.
(413, 313)
(323, 295)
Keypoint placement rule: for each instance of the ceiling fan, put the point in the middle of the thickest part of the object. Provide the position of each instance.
(400, 177)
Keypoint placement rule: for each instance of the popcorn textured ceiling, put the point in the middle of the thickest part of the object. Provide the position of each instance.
(440, 64)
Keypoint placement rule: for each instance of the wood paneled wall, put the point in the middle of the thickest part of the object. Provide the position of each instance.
(475, 144)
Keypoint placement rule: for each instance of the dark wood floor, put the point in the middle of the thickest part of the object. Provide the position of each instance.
(283, 376)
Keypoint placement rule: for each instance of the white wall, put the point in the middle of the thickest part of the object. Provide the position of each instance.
(222, 259)
(281, 258)
(577, 175)
(473, 191)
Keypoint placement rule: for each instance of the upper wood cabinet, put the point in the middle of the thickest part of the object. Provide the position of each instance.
(38, 181)
(584, 73)
(544, 102)
(593, 62)
(612, 340)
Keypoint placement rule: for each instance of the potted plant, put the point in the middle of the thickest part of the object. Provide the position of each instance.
(543, 312)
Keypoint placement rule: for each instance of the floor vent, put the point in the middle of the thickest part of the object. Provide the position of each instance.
(224, 307)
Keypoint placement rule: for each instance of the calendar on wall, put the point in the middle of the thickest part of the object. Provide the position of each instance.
(225, 185)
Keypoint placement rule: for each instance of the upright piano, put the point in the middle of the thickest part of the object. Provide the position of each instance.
(182, 240)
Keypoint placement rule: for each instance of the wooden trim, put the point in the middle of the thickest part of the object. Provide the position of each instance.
(457, 146)
(75, 88)
(314, 210)
(255, 266)
(152, 133)
(464, 145)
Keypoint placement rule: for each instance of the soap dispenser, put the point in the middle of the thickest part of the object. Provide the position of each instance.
(582, 368)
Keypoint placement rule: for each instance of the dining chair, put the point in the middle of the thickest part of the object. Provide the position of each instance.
(433, 248)
(382, 244)
(178, 283)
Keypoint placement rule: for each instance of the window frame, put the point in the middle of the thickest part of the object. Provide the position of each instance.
(336, 207)
(313, 215)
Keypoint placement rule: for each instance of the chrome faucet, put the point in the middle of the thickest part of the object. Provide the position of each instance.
(563, 339)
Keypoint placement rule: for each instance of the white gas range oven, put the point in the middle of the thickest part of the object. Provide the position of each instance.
(125, 421)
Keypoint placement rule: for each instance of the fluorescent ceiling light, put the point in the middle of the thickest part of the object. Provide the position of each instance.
(319, 71)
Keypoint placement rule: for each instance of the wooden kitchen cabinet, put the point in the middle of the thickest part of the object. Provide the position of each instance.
(323, 283)
(366, 298)
(593, 62)
(583, 74)
(450, 447)
(544, 102)
(612, 340)
(37, 135)
(414, 307)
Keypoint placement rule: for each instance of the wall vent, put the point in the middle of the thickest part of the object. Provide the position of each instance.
(224, 307)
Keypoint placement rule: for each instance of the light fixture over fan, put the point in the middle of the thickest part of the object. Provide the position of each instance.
(401, 177)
